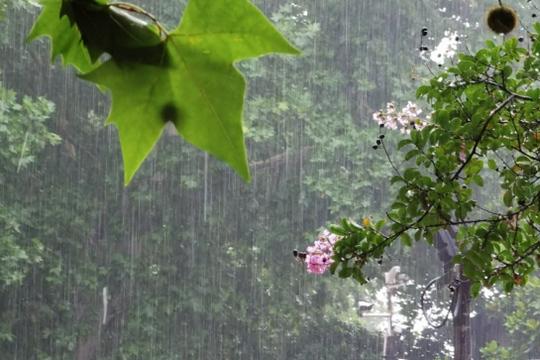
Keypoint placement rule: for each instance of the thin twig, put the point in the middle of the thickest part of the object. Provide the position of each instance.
(481, 134)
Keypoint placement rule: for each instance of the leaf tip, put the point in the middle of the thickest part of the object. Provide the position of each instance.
(294, 50)
(246, 176)
(128, 175)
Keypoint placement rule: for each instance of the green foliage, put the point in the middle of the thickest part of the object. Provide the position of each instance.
(17, 254)
(23, 130)
(185, 77)
(494, 351)
(23, 135)
(484, 124)
(521, 313)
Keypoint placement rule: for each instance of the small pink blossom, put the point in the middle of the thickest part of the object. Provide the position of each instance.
(319, 255)
(317, 264)
(463, 152)
(404, 121)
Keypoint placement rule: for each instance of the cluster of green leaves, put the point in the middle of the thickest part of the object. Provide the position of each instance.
(23, 134)
(23, 128)
(17, 254)
(484, 124)
(521, 313)
(185, 77)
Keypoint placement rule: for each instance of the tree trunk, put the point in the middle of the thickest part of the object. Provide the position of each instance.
(391, 347)
(462, 320)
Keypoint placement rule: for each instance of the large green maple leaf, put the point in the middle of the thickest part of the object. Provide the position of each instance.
(187, 78)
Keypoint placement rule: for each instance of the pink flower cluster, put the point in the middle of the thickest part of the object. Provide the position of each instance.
(404, 120)
(319, 255)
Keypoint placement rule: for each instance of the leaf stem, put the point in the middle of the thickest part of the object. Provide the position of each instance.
(139, 10)
(481, 134)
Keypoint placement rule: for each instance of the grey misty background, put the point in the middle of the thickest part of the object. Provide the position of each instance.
(196, 263)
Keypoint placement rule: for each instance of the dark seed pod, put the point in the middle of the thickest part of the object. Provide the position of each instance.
(381, 136)
(424, 31)
(378, 142)
(502, 19)
(375, 147)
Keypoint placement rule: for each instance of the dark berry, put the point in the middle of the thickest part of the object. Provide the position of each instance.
(502, 20)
